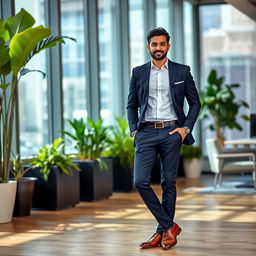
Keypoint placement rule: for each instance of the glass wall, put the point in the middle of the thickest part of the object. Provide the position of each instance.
(162, 18)
(35, 127)
(188, 34)
(73, 61)
(106, 43)
(136, 27)
(33, 104)
(228, 44)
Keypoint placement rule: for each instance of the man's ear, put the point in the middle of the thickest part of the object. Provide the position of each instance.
(148, 47)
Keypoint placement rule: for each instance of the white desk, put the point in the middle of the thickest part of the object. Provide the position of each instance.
(246, 142)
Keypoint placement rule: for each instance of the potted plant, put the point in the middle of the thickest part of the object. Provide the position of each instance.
(19, 42)
(25, 188)
(90, 140)
(57, 184)
(121, 149)
(219, 101)
(190, 156)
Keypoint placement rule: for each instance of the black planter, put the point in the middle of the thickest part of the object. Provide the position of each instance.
(95, 183)
(122, 177)
(24, 196)
(59, 192)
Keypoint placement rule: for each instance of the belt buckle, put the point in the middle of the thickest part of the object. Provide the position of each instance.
(159, 125)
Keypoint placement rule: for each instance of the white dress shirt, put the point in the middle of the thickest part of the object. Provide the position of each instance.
(159, 106)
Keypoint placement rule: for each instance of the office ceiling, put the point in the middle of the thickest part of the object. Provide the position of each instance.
(248, 7)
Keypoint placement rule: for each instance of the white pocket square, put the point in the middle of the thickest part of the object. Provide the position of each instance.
(180, 82)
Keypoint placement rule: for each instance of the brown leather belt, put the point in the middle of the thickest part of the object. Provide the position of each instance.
(160, 124)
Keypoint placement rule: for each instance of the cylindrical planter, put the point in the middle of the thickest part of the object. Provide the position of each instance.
(192, 167)
(7, 198)
(24, 196)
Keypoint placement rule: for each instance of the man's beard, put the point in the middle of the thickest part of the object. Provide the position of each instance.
(155, 57)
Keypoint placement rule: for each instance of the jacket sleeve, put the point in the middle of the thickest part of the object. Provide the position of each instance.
(193, 100)
(132, 104)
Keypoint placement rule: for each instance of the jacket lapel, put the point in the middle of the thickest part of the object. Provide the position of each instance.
(172, 79)
(147, 77)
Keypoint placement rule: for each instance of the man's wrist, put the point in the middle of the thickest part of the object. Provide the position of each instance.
(187, 129)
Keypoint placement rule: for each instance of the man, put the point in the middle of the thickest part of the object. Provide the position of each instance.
(157, 91)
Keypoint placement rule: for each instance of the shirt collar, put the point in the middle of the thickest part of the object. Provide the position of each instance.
(164, 66)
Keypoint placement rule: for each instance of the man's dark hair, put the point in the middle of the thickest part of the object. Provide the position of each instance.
(158, 32)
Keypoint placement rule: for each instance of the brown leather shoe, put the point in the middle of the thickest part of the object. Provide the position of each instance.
(170, 237)
(154, 241)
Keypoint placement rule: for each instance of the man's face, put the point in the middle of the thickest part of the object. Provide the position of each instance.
(158, 47)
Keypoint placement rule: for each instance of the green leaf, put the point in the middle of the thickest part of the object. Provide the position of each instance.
(235, 85)
(23, 44)
(245, 117)
(19, 22)
(4, 55)
(3, 31)
(24, 71)
(6, 69)
(212, 77)
(4, 86)
(47, 43)
(245, 104)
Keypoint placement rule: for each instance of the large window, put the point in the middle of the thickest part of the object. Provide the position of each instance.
(228, 43)
(73, 61)
(188, 34)
(162, 18)
(106, 57)
(33, 105)
(136, 27)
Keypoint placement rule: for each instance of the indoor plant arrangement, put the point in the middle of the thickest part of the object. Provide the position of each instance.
(19, 42)
(57, 184)
(25, 188)
(121, 149)
(190, 156)
(90, 139)
(219, 101)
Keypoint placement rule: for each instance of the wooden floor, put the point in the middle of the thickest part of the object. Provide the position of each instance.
(212, 225)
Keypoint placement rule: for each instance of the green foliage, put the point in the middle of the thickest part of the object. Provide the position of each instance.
(121, 144)
(219, 101)
(19, 42)
(89, 139)
(17, 168)
(190, 152)
(53, 155)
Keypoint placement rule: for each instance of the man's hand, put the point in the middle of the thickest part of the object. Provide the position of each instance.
(181, 131)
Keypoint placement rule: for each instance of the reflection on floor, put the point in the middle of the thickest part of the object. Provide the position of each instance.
(212, 225)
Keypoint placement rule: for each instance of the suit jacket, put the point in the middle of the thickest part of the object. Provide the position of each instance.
(182, 86)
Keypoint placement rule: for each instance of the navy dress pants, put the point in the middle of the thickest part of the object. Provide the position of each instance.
(148, 143)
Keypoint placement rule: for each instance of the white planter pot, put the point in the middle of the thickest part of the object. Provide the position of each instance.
(7, 199)
(192, 167)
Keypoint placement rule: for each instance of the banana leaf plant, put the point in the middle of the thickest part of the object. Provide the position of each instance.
(219, 101)
(19, 42)
(89, 138)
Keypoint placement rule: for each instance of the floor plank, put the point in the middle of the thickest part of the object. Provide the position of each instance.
(212, 225)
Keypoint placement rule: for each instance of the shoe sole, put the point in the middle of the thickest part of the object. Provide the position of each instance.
(148, 247)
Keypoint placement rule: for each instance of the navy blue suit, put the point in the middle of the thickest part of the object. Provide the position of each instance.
(150, 142)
